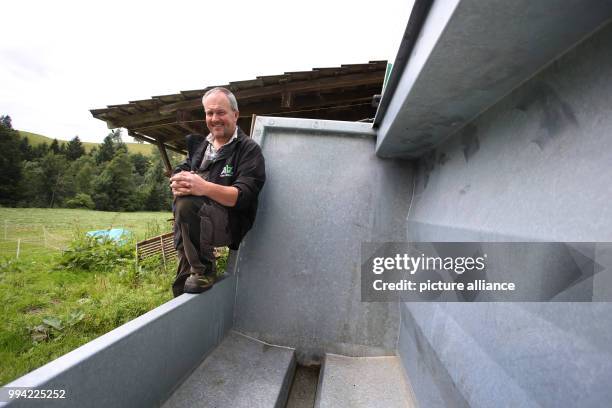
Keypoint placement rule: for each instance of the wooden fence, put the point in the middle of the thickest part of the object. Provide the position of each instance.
(161, 244)
(164, 245)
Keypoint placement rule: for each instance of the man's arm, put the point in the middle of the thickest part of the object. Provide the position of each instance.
(193, 141)
(188, 183)
(250, 175)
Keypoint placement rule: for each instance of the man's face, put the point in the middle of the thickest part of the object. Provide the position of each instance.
(220, 118)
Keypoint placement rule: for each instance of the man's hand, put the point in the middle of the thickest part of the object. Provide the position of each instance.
(188, 183)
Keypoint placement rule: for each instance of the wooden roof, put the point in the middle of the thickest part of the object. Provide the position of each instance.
(338, 93)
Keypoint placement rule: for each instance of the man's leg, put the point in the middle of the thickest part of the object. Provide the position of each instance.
(182, 274)
(200, 224)
(186, 239)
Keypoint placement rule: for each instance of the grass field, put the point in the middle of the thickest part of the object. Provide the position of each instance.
(36, 139)
(49, 305)
(57, 226)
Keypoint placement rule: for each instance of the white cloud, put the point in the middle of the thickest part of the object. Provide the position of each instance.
(59, 59)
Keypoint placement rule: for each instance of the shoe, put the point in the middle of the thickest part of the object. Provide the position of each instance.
(198, 283)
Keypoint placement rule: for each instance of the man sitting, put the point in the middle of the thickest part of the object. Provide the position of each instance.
(215, 192)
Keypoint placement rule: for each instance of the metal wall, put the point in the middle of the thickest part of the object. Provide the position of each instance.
(536, 166)
(468, 55)
(299, 268)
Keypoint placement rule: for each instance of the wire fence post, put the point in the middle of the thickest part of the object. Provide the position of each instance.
(5, 230)
(136, 256)
(161, 242)
(44, 236)
(18, 247)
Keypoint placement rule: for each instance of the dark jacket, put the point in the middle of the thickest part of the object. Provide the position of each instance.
(240, 164)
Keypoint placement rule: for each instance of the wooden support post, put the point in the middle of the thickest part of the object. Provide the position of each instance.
(18, 247)
(164, 155)
(253, 117)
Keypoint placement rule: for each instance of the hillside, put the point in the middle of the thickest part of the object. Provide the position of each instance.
(36, 139)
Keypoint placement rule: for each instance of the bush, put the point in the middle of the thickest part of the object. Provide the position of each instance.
(92, 254)
(81, 200)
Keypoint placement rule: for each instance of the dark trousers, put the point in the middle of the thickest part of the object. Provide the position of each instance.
(200, 225)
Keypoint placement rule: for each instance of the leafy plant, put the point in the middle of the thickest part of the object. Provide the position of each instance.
(222, 257)
(93, 254)
(53, 322)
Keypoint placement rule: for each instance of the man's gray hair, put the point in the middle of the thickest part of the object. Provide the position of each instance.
(230, 96)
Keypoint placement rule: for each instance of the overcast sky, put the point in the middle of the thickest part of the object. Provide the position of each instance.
(58, 59)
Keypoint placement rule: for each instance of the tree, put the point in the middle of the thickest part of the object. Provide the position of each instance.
(27, 152)
(57, 183)
(5, 120)
(155, 191)
(106, 151)
(141, 163)
(74, 149)
(40, 150)
(33, 185)
(46, 182)
(83, 171)
(113, 189)
(55, 148)
(10, 162)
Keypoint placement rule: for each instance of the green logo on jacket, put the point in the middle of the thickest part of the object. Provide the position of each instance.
(227, 171)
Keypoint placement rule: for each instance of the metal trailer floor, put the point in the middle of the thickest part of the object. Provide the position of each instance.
(240, 372)
(245, 372)
(370, 382)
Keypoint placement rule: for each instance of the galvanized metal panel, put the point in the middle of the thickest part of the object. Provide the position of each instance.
(535, 167)
(298, 269)
(240, 373)
(468, 55)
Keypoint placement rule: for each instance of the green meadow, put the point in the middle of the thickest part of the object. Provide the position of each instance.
(61, 290)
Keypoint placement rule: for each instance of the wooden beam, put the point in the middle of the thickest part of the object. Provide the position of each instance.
(273, 108)
(164, 132)
(144, 138)
(326, 110)
(341, 81)
(131, 120)
(188, 128)
(145, 120)
(152, 125)
(286, 100)
(153, 140)
(186, 120)
(177, 128)
(172, 130)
